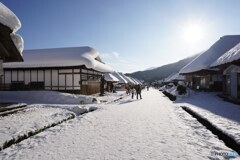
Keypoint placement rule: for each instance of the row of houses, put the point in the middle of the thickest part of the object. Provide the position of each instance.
(119, 81)
(73, 70)
(217, 69)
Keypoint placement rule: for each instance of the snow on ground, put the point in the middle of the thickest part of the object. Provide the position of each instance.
(32, 119)
(43, 97)
(111, 97)
(223, 115)
(151, 128)
(76, 109)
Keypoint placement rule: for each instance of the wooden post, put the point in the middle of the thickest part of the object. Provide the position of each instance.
(102, 86)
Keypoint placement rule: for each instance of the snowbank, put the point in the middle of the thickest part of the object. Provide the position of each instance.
(8, 18)
(44, 97)
(31, 120)
(76, 109)
(110, 97)
(223, 115)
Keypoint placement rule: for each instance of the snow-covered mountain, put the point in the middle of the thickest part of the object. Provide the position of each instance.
(150, 68)
(157, 73)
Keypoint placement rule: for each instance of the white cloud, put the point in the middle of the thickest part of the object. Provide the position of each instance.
(119, 63)
(116, 54)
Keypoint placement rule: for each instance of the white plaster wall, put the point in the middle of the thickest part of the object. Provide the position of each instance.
(54, 78)
(40, 75)
(71, 80)
(47, 78)
(7, 77)
(27, 77)
(20, 76)
(14, 75)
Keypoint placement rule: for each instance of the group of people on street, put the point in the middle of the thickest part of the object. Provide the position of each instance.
(135, 90)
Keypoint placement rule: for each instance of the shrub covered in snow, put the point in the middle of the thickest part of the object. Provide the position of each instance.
(181, 90)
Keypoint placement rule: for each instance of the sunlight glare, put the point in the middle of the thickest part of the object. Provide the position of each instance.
(193, 33)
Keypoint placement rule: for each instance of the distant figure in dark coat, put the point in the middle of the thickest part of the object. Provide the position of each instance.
(139, 90)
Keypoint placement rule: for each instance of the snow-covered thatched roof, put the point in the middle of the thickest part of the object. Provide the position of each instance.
(11, 43)
(136, 81)
(231, 69)
(110, 78)
(62, 57)
(204, 60)
(128, 79)
(8, 18)
(228, 57)
(121, 79)
(175, 77)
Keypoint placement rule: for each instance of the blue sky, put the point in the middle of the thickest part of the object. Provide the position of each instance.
(131, 35)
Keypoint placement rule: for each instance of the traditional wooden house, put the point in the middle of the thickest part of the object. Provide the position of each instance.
(174, 78)
(229, 63)
(73, 70)
(110, 82)
(122, 83)
(199, 74)
(11, 44)
(131, 81)
(137, 82)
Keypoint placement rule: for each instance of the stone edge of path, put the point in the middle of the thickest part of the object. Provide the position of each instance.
(227, 139)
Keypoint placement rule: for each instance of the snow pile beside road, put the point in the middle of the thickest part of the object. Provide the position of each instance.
(44, 97)
(111, 97)
(172, 90)
(223, 115)
(163, 88)
(77, 109)
(24, 123)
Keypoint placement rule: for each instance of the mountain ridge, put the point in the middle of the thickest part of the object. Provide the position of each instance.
(162, 71)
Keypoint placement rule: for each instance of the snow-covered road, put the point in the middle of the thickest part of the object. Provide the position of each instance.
(151, 128)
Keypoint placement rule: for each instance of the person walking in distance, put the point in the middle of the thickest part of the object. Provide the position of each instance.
(132, 91)
(139, 90)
